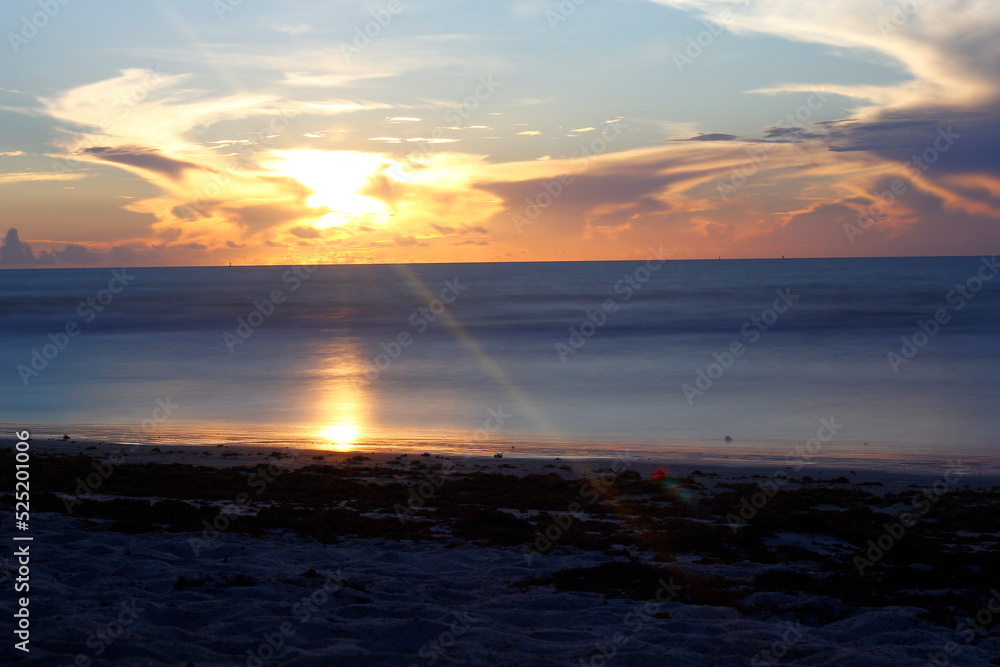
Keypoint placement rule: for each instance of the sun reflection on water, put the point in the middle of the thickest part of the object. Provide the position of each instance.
(342, 410)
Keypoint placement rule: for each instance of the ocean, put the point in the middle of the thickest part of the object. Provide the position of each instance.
(895, 358)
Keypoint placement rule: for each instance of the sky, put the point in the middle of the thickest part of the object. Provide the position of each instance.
(197, 132)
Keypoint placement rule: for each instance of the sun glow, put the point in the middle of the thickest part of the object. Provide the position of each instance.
(341, 436)
(336, 179)
(341, 412)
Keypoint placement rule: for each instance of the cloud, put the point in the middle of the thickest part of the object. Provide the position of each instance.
(14, 252)
(950, 48)
(463, 229)
(933, 133)
(405, 240)
(715, 136)
(293, 29)
(142, 158)
(797, 186)
(255, 217)
(78, 255)
(674, 192)
(305, 232)
(22, 177)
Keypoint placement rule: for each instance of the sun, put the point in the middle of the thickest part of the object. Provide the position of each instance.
(336, 179)
(341, 436)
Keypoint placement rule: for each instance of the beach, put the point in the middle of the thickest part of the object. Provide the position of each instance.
(542, 332)
(223, 555)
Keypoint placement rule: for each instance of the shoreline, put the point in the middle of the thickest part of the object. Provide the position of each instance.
(776, 458)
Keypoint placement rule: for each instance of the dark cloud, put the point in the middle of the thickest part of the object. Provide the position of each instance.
(946, 143)
(14, 252)
(464, 229)
(77, 254)
(628, 186)
(190, 211)
(405, 241)
(143, 158)
(381, 187)
(232, 244)
(263, 216)
(714, 136)
(170, 233)
(122, 255)
(305, 232)
(786, 134)
(815, 230)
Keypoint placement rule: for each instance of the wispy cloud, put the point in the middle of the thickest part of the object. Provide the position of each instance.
(23, 177)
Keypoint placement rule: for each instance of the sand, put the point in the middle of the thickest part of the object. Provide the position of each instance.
(393, 560)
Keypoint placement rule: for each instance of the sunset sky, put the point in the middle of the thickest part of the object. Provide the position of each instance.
(253, 132)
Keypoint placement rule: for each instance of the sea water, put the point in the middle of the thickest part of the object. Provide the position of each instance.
(895, 356)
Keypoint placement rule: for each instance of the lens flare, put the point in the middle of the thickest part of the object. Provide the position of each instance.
(672, 485)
